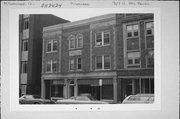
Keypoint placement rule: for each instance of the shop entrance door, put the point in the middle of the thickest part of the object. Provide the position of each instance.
(71, 89)
(129, 89)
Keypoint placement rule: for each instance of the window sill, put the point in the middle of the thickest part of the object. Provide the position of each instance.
(102, 45)
(132, 37)
(51, 52)
(102, 69)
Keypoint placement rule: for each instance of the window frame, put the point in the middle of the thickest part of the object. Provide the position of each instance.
(78, 64)
(23, 43)
(71, 59)
(26, 23)
(50, 63)
(79, 36)
(132, 31)
(133, 59)
(51, 43)
(103, 62)
(102, 33)
(24, 67)
(152, 28)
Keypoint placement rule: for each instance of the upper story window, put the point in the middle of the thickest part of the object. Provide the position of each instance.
(24, 67)
(150, 59)
(150, 28)
(51, 66)
(71, 64)
(79, 63)
(79, 41)
(75, 41)
(132, 30)
(26, 23)
(133, 59)
(52, 46)
(102, 38)
(103, 62)
(25, 45)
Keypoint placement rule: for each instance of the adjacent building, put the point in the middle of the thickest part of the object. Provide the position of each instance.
(109, 56)
(30, 50)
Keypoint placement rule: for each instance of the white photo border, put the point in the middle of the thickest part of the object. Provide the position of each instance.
(14, 63)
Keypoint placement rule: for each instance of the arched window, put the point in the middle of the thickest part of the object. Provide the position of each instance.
(72, 42)
(79, 41)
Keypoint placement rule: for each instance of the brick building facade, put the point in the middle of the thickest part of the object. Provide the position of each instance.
(109, 56)
(30, 50)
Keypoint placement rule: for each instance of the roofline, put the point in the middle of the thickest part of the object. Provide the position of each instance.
(78, 23)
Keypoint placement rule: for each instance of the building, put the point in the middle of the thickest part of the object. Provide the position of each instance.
(109, 56)
(30, 50)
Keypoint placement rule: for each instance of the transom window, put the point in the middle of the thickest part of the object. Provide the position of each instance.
(149, 28)
(102, 62)
(102, 38)
(52, 46)
(132, 30)
(51, 66)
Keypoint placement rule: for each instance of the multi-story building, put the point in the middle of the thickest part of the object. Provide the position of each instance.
(109, 56)
(30, 50)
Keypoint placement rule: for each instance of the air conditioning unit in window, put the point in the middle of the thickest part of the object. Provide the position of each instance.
(99, 43)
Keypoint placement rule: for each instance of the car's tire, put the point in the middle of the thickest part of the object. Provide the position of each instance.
(36, 103)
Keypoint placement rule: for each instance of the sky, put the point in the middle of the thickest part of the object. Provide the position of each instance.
(81, 14)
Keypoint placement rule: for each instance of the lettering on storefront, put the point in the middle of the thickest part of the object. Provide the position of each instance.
(75, 52)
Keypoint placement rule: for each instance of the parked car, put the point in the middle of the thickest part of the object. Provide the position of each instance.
(34, 99)
(81, 99)
(139, 99)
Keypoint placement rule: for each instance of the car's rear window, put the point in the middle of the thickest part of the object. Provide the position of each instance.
(137, 98)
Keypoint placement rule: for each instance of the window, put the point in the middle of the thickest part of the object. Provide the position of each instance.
(150, 59)
(133, 58)
(79, 63)
(51, 66)
(103, 62)
(24, 67)
(52, 46)
(132, 30)
(25, 45)
(106, 62)
(71, 64)
(98, 39)
(75, 42)
(54, 66)
(48, 66)
(99, 62)
(49, 46)
(79, 41)
(149, 28)
(102, 38)
(26, 23)
(72, 43)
